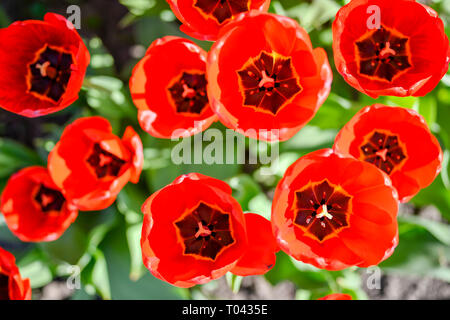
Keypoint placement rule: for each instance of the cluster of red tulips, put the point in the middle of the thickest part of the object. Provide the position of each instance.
(334, 208)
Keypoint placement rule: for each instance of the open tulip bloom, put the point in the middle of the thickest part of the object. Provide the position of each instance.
(42, 65)
(397, 141)
(91, 165)
(275, 81)
(34, 207)
(168, 86)
(402, 50)
(334, 212)
(194, 231)
(205, 18)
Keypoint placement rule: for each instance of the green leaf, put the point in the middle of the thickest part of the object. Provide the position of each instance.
(108, 97)
(138, 7)
(95, 275)
(148, 29)
(244, 189)
(100, 277)
(261, 205)
(7, 237)
(305, 279)
(83, 238)
(226, 170)
(130, 201)
(137, 269)
(35, 267)
(117, 253)
(14, 156)
(436, 194)
(4, 20)
(439, 230)
(234, 282)
(443, 114)
(427, 107)
(334, 113)
(74, 238)
(102, 62)
(315, 14)
(81, 294)
(157, 179)
(103, 83)
(310, 138)
(97, 235)
(406, 102)
(418, 253)
(280, 165)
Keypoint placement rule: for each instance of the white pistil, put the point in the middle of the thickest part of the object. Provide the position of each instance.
(266, 81)
(188, 92)
(382, 154)
(323, 212)
(43, 68)
(387, 51)
(202, 231)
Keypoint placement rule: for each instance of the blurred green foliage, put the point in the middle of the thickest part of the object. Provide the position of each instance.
(105, 245)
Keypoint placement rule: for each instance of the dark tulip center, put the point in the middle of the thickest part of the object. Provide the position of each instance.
(104, 163)
(205, 232)
(268, 82)
(383, 150)
(49, 199)
(49, 74)
(321, 209)
(221, 10)
(383, 54)
(4, 287)
(189, 93)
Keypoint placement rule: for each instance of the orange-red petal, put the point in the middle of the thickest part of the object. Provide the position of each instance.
(415, 23)
(22, 43)
(297, 77)
(163, 243)
(91, 164)
(15, 288)
(260, 256)
(361, 193)
(168, 87)
(337, 296)
(421, 155)
(205, 19)
(34, 207)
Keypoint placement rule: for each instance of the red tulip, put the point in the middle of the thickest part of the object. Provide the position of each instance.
(335, 212)
(264, 77)
(260, 256)
(168, 86)
(397, 141)
(203, 19)
(12, 286)
(406, 56)
(34, 207)
(194, 231)
(337, 296)
(91, 164)
(42, 65)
